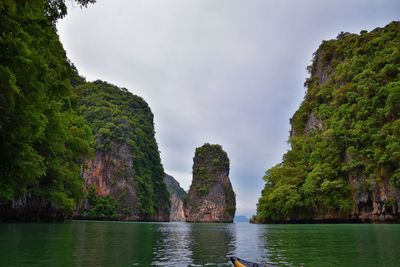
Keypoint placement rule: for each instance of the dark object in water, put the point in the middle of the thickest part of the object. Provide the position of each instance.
(237, 262)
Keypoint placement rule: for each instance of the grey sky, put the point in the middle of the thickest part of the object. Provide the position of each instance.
(220, 71)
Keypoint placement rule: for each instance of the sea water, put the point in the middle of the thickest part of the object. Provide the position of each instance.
(93, 244)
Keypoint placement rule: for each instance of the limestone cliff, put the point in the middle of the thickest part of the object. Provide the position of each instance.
(211, 197)
(125, 179)
(177, 196)
(343, 164)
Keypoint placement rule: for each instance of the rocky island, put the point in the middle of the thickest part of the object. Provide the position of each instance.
(344, 161)
(211, 197)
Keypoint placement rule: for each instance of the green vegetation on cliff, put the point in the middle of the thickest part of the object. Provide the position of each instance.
(42, 140)
(101, 207)
(118, 117)
(345, 148)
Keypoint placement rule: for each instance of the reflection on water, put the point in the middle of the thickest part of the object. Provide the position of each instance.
(113, 243)
(24, 244)
(184, 244)
(93, 244)
(211, 243)
(333, 245)
(173, 246)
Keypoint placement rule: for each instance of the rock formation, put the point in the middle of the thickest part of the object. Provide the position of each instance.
(177, 196)
(211, 197)
(125, 179)
(344, 161)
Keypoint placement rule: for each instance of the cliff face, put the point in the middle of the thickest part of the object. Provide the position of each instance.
(211, 197)
(177, 196)
(111, 173)
(343, 164)
(125, 179)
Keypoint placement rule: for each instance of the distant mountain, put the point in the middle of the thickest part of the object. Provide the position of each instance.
(177, 196)
(241, 219)
(173, 186)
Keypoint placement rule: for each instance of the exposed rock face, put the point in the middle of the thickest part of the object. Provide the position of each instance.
(177, 196)
(112, 174)
(211, 197)
(125, 179)
(321, 67)
(313, 123)
(377, 205)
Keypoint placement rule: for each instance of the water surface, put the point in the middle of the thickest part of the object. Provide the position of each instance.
(91, 244)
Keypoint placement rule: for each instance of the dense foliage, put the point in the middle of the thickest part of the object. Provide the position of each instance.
(42, 140)
(101, 207)
(346, 130)
(118, 117)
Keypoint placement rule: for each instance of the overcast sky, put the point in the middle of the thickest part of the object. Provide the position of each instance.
(219, 71)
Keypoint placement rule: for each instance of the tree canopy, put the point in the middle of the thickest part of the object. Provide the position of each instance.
(42, 140)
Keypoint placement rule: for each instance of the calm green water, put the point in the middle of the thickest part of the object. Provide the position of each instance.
(181, 244)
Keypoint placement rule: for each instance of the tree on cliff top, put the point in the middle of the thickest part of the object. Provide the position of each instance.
(57, 9)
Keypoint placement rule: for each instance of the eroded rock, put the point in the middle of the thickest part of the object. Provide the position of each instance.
(211, 197)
